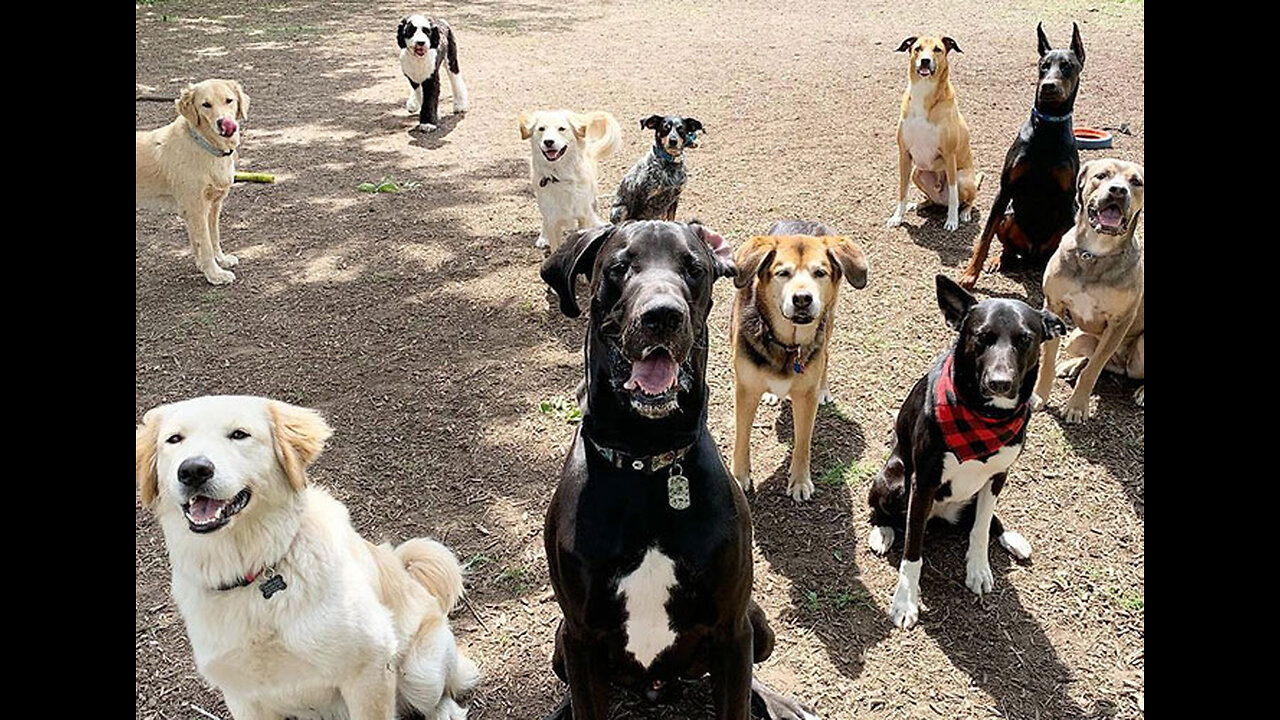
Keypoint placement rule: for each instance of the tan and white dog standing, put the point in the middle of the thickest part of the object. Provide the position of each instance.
(188, 167)
(1097, 280)
(788, 283)
(566, 147)
(290, 612)
(933, 140)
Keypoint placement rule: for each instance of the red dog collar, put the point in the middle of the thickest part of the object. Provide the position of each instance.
(967, 433)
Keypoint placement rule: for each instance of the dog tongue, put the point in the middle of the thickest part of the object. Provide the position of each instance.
(204, 509)
(1110, 217)
(653, 375)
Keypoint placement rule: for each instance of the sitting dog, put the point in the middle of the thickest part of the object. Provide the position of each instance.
(425, 43)
(959, 430)
(1097, 280)
(290, 612)
(933, 140)
(648, 539)
(566, 148)
(651, 188)
(1036, 202)
(188, 167)
(788, 283)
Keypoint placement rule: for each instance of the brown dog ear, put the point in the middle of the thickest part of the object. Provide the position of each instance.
(299, 434)
(576, 256)
(526, 125)
(144, 456)
(906, 44)
(242, 100)
(186, 105)
(951, 44)
(721, 253)
(1077, 45)
(1081, 179)
(753, 260)
(580, 125)
(849, 259)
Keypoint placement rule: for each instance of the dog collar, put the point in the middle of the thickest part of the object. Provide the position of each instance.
(664, 155)
(271, 582)
(548, 179)
(1049, 118)
(208, 146)
(792, 359)
(968, 433)
(642, 463)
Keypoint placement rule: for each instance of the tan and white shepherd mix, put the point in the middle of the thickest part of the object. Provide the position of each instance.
(933, 140)
(566, 147)
(188, 166)
(290, 612)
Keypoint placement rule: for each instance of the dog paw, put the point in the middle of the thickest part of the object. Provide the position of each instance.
(1017, 545)
(895, 220)
(1036, 402)
(784, 708)
(825, 397)
(953, 222)
(218, 276)
(542, 242)
(993, 265)
(411, 105)
(978, 577)
(966, 214)
(748, 485)
(227, 261)
(769, 399)
(1140, 396)
(1077, 411)
(459, 108)
(969, 280)
(800, 490)
(1070, 369)
(427, 127)
(905, 610)
(880, 539)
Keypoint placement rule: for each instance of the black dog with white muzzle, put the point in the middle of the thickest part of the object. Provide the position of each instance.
(651, 188)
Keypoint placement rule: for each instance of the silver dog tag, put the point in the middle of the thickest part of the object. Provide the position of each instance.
(678, 492)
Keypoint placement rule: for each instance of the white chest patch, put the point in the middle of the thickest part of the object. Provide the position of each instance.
(1084, 311)
(922, 138)
(779, 386)
(968, 477)
(645, 593)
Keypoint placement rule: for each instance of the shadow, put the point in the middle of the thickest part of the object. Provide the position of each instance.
(1114, 436)
(952, 248)
(436, 140)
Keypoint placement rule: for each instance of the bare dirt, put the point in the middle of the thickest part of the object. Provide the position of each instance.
(416, 322)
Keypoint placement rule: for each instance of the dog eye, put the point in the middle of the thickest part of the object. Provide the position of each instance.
(1101, 176)
(783, 274)
(560, 129)
(618, 269)
(542, 129)
(207, 104)
(1136, 182)
(238, 434)
(819, 273)
(696, 270)
(173, 439)
(228, 101)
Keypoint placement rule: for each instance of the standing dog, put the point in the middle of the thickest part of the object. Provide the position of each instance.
(425, 43)
(1036, 202)
(290, 612)
(957, 433)
(1097, 280)
(933, 140)
(187, 166)
(566, 148)
(648, 539)
(788, 283)
(651, 189)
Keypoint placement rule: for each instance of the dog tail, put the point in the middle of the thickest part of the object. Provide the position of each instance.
(435, 567)
(604, 135)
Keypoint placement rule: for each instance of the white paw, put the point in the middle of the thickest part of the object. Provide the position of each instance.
(459, 107)
(427, 127)
(800, 490)
(966, 214)
(894, 220)
(769, 399)
(953, 222)
(746, 482)
(905, 610)
(412, 105)
(542, 242)
(1076, 412)
(912, 207)
(825, 397)
(1036, 402)
(880, 539)
(218, 276)
(1140, 397)
(977, 576)
(228, 261)
(1017, 545)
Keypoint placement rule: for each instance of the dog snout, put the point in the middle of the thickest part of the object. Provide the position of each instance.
(1051, 89)
(662, 317)
(1118, 191)
(926, 62)
(195, 471)
(1001, 385)
(548, 144)
(802, 301)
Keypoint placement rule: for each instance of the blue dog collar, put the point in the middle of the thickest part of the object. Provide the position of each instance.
(1049, 118)
(663, 154)
(206, 144)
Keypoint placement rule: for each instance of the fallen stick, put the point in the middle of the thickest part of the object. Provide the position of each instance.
(255, 177)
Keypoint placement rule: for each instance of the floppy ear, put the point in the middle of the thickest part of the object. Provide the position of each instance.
(526, 125)
(579, 123)
(1077, 45)
(693, 124)
(954, 301)
(400, 32)
(435, 36)
(1044, 46)
(576, 256)
(299, 434)
(753, 259)
(144, 456)
(1081, 179)
(186, 104)
(653, 122)
(242, 100)
(849, 259)
(906, 44)
(721, 253)
(951, 44)
(1052, 326)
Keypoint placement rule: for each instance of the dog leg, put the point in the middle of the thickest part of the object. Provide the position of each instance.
(745, 402)
(1137, 367)
(730, 660)
(414, 103)
(198, 231)
(969, 183)
(953, 196)
(1078, 404)
(905, 609)
(804, 412)
(459, 89)
(586, 666)
(215, 214)
(1048, 358)
(429, 114)
(977, 575)
(768, 703)
(371, 695)
(904, 174)
(969, 278)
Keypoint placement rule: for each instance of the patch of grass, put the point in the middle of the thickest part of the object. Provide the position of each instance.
(561, 408)
(388, 185)
(475, 561)
(811, 600)
(515, 579)
(1130, 600)
(851, 474)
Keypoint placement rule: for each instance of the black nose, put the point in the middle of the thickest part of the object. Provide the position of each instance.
(549, 143)
(802, 300)
(196, 471)
(672, 142)
(1000, 386)
(420, 43)
(662, 318)
(1118, 190)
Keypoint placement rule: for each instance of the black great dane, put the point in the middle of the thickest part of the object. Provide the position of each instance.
(648, 537)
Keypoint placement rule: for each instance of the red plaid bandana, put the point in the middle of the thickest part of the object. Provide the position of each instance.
(966, 433)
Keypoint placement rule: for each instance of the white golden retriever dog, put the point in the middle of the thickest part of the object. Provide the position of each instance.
(290, 612)
(566, 147)
(188, 166)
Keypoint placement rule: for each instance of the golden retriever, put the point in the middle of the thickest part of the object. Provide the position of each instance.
(565, 148)
(188, 166)
(290, 612)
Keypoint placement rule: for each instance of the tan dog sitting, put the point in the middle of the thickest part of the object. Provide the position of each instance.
(788, 282)
(1097, 280)
(188, 166)
(933, 140)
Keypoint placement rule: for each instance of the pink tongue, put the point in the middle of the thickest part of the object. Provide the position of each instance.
(654, 375)
(203, 509)
(925, 72)
(1110, 217)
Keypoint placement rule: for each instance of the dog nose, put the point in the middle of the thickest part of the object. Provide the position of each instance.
(1118, 190)
(196, 471)
(661, 318)
(802, 301)
(1001, 384)
(549, 143)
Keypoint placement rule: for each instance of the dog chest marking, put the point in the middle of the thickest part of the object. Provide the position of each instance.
(966, 478)
(645, 593)
(922, 138)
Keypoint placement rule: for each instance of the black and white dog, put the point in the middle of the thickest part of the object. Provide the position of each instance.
(651, 189)
(425, 43)
(957, 433)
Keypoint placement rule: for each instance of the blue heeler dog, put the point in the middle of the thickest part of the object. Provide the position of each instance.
(651, 189)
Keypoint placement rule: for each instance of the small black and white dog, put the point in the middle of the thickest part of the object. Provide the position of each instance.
(425, 43)
(651, 188)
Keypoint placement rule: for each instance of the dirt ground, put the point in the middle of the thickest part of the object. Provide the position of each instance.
(416, 322)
